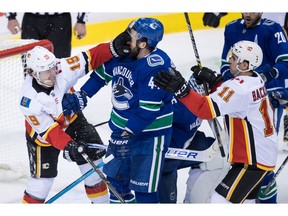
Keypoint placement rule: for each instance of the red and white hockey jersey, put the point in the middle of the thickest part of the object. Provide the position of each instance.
(42, 108)
(245, 104)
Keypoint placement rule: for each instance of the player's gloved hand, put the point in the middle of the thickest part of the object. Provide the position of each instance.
(195, 86)
(173, 82)
(275, 103)
(75, 102)
(212, 19)
(120, 145)
(281, 95)
(267, 73)
(206, 75)
(72, 152)
(119, 46)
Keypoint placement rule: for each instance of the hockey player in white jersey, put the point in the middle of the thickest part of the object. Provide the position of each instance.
(48, 131)
(244, 102)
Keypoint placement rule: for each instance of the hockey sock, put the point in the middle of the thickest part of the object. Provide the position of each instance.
(29, 199)
(97, 193)
(167, 188)
(271, 196)
(129, 198)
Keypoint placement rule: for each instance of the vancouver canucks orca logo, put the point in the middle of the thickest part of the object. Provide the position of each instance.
(121, 95)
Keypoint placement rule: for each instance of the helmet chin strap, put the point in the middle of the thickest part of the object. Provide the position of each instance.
(239, 70)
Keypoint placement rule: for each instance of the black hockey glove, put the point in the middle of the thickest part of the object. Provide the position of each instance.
(267, 73)
(212, 19)
(75, 102)
(72, 152)
(279, 97)
(172, 82)
(119, 46)
(206, 75)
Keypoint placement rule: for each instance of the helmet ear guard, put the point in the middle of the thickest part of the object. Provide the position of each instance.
(250, 52)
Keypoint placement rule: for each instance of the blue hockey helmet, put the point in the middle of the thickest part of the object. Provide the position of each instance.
(149, 28)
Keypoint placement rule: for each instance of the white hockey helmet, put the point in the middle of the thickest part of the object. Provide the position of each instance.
(248, 51)
(38, 60)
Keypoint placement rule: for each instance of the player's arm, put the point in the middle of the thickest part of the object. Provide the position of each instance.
(118, 47)
(202, 106)
(225, 68)
(277, 48)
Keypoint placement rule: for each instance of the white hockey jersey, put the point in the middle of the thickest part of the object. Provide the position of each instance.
(42, 107)
(245, 104)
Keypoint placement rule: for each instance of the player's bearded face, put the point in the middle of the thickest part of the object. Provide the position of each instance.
(251, 19)
(134, 45)
(134, 52)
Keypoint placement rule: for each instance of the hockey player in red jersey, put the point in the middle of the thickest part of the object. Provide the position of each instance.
(48, 131)
(245, 105)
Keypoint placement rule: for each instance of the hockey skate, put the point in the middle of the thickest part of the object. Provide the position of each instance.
(285, 135)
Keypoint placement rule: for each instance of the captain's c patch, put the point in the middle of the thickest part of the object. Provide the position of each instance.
(25, 102)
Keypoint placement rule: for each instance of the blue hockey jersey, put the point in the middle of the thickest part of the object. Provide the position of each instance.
(185, 125)
(139, 106)
(269, 36)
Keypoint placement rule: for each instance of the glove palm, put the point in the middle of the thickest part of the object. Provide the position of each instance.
(119, 46)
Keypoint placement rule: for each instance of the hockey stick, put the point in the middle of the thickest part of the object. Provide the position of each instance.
(215, 128)
(181, 154)
(98, 171)
(275, 176)
(80, 179)
(101, 123)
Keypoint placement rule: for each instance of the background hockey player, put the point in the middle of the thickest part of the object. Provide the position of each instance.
(141, 117)
(243, 101)
(271, 38)
(282, 19)
(186, 135)
(48, 131)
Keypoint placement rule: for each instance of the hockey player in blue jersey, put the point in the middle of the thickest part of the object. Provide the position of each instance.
(141, 117)
(271, 37)
(185, 135)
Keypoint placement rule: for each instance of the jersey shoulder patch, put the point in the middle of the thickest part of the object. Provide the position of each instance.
(25, 102)
(155, 60)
